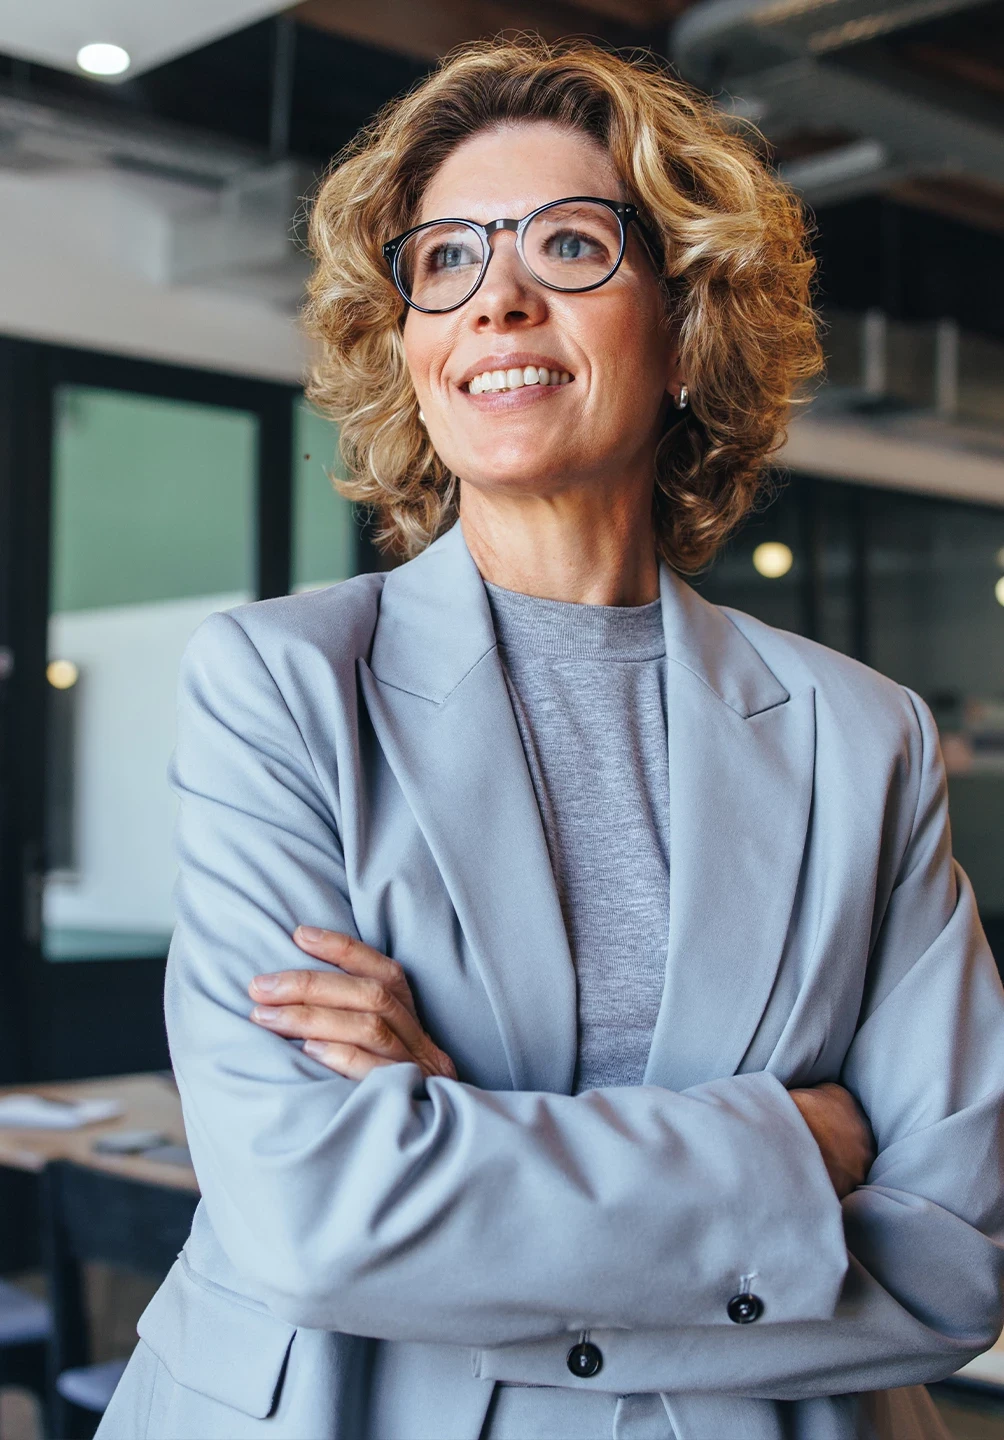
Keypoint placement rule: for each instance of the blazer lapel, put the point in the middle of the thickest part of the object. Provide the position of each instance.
(740, 765)
(436, 695)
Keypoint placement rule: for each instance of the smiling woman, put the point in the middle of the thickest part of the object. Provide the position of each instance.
(581, 1025)
(718, 245)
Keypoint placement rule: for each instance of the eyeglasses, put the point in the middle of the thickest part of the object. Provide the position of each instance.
(575, 244)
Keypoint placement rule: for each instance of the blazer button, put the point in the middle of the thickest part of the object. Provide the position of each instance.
(585, 1360)
(744, 1309)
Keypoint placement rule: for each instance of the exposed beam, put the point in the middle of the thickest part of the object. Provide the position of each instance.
(427, 29)
(956, 197)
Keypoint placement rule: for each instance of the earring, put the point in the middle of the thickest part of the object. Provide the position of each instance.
(421, 417)
(683, 399)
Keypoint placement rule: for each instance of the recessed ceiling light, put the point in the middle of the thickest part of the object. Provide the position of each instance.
(103, 59)
(772, 559)
(62, 674)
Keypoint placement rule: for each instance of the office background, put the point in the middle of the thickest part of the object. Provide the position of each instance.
(158, 461)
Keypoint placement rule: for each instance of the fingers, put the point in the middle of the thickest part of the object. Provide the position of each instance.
(324, 992)
(355, 958)
(358, 1029)
(364, 1008)
(347, 1060)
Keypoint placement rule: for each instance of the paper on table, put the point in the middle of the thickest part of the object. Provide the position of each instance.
(33, 1112)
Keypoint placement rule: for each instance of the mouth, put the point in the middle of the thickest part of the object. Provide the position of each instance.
(516, 377)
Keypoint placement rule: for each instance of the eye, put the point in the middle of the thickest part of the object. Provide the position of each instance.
(449, 256)
(573, 245)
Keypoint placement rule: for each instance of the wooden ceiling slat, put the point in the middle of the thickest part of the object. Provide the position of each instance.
(956, 198)
(427, 29)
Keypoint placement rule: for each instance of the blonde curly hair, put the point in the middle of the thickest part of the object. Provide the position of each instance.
(734, 260)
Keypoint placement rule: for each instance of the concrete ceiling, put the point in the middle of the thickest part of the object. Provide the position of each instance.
(50, 32)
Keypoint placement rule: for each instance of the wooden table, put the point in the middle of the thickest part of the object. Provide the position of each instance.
(150, 1102)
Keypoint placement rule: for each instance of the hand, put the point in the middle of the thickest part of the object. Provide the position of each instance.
(354, 1018)
(841, 1130)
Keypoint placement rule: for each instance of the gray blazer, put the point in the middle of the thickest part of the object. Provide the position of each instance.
(369, 1258)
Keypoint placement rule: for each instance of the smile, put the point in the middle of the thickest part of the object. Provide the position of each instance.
(516, 378)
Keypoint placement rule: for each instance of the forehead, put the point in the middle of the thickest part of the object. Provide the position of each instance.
(510, 170)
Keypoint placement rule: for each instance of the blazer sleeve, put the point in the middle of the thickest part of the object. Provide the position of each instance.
(405, 1209)
(925, 1289)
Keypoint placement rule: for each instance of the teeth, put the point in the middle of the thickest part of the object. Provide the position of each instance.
(515, 378)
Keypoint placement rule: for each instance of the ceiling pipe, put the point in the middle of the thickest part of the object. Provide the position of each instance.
(771, 61)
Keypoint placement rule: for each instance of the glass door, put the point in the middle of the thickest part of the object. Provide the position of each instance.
(152, 529)
(136, 498)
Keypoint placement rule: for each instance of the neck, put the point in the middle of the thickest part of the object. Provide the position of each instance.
(588, 547)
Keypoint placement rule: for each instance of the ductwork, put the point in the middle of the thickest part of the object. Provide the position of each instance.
(770, 62)
(175, 206)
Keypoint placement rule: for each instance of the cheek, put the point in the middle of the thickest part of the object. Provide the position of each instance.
(625, 340)
(428, 343)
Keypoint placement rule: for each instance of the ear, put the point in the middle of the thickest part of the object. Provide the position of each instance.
(675, 381)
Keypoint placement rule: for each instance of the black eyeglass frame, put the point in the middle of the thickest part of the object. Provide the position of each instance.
(624, 212)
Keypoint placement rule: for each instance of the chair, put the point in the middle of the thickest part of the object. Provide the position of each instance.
(25, 1328)
(93, 1215)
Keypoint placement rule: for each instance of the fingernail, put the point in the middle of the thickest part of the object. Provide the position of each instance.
(309, 933)
(267, 1014)
(266, 983)
(314, 1048)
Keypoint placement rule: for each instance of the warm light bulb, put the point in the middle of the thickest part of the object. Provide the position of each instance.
(103, 59)
(61, 674)
(999, 591)
(772, 559)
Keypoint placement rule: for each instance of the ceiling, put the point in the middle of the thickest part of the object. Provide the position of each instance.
(50, 32)
(919, 243)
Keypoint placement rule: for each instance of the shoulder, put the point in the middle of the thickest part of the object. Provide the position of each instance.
(851, 698)
(335, 624)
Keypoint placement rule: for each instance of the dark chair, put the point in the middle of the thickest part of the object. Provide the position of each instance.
(92, 1215)
(25, 1329)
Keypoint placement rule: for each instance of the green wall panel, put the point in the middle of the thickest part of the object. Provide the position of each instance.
(324, 532)
(153, 499)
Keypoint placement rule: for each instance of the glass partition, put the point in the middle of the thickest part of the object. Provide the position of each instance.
(936, 623)
(913, 586)
(152, 529)
(324, 530)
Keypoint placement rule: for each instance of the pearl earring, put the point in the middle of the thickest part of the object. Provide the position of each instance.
(421, 417)
(683, 399)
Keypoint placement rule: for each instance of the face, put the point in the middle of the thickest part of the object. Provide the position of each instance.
(600, 427)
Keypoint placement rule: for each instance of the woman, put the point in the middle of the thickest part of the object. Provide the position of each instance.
(562, 1153)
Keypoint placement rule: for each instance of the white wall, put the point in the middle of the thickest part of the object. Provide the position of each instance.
(128, 657)
(79, 257)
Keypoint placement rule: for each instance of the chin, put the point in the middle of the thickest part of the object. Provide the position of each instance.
(522, 468)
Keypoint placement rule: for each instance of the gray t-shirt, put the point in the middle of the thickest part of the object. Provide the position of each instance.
(588, 689)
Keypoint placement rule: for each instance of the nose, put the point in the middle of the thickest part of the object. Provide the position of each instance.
(509, 296)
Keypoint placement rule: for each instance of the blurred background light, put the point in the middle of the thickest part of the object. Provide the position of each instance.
(772, 559)
(999, 591)
(101, 59)
(61, 674)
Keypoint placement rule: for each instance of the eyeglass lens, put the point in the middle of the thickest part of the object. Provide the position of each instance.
(572, 245)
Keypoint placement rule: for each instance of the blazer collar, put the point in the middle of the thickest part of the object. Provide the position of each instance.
(741, 757)
(435, 625)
